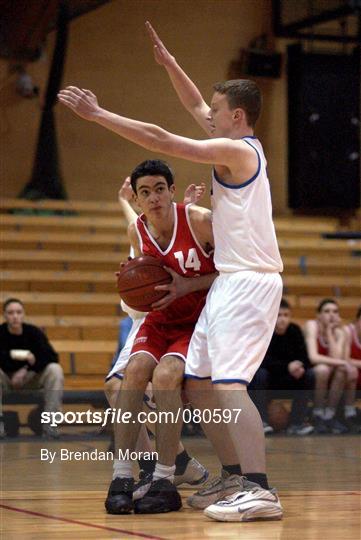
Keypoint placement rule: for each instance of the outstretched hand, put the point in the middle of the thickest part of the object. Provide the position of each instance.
(194, 193)
(161, 54)
(83, 102)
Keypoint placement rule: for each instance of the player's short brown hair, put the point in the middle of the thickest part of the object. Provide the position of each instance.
(242, 93)
(11, 301)
(152, 167)
(325, 301)
(284, 304)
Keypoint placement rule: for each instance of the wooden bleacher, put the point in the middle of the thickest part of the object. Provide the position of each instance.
(60, 257)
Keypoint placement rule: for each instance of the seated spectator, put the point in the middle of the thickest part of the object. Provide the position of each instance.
(27, 360)
(285, 367)
(325, 340)
(353, 345)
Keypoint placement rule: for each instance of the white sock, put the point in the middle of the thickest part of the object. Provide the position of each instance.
(350, 410)
(318, 411)
(164, 471)
(329, 413)
(122, 468)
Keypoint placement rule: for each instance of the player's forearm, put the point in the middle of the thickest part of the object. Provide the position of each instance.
(188, 93)
(200, 283)
(336, 348)
(157, 139)
(336, 343)
(146, 135)
(129, 213)
(323, 359)
(355, 362)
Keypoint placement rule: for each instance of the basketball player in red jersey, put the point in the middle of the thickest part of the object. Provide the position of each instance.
(325, 340)
(188, 469)
(181, 236)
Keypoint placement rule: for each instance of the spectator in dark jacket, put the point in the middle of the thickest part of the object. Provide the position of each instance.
(27, 360)
(285, 367)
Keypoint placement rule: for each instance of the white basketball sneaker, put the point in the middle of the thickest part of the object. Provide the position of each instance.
(252, 503)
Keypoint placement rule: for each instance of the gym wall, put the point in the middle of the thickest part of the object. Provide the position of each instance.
(110, 53)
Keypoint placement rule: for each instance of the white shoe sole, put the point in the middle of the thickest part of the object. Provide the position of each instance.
(252, 514)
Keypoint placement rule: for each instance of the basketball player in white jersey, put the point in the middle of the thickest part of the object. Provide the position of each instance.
(236, 325)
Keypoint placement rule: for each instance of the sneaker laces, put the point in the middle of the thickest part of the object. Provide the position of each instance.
(145, 476)
(121, 484)
(211, 483)
(246, 486)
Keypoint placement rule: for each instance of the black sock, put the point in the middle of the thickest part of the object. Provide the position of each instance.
(232, 469)
(181, 462)
(258, 478)
(147, 465)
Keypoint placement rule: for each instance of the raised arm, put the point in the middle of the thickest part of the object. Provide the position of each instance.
(188, 93)
(125, 195)
(236, 155)
(134, 240)
(336, 339)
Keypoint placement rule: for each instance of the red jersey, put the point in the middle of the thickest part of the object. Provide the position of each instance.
(185, 256)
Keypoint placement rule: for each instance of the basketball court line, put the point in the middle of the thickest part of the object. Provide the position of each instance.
(82, 523)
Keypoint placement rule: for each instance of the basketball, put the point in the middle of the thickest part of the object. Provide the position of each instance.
(136, 281)
(278, 416)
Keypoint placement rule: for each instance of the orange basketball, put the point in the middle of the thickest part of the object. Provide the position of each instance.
(136, 281)
(278, 416)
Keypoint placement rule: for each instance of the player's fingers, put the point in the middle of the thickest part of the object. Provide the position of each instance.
(89, 93)
(162, 288)
(75, 90)
(170, 271)
(152, 33)
(67, 102)
(69, 96)
(163, 303)
(66, 94)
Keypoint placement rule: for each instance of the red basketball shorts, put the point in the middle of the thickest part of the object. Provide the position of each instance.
(162, 340)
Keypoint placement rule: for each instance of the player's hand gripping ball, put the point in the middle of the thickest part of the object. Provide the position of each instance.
(136, 280)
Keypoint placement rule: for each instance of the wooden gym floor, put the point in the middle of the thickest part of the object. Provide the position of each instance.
(318, 479)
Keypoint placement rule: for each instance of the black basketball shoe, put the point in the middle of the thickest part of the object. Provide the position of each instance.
(161, 497)
(120, 496)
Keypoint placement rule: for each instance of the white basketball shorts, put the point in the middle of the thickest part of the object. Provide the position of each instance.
(122, 361)
(235, 327)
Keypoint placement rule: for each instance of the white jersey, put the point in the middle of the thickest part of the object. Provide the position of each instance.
(244, 233)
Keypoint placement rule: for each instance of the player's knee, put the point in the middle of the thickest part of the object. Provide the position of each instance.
(168, 375)
(139, 370)
(55, 372)
(352, 374)
(111, 390)
(322, 373)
